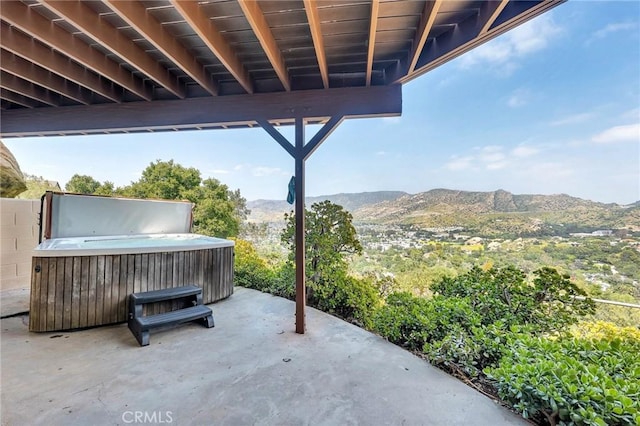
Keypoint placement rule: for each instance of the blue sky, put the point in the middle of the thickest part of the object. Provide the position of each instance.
(551, 107)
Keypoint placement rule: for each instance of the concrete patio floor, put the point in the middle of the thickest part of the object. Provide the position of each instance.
(250, 369)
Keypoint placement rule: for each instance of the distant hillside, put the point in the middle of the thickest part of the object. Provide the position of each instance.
(274, 210)
(501, 212)
(446, 201)
(487, 213)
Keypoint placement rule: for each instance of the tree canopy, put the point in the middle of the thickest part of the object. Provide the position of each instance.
(329, 235)
(84, 184)
(218, 211)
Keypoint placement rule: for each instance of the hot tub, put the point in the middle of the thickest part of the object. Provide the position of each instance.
(80, 282)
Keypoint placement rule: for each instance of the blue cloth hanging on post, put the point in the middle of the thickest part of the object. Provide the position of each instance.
(291, 195)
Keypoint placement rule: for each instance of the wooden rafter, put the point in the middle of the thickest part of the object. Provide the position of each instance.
(26, 88)
(489, 13)
(32, 23)
(465, 38)
(89, 22)
(135, 14)
(254, 15)
(426, 23)
(36, 53)
(18, 66)
(375, 7)
(211, 36)
(311, 8)
(18, 99)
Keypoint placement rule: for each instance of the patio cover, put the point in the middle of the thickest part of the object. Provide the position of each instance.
(95, 67)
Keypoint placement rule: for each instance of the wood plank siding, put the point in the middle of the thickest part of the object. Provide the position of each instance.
(88, 291)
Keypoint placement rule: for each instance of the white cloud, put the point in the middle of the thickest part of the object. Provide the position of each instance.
(459, 163)
(612, 28)
(628, 133)
(381, 153)
(523, 151)
(504, 51)
(496, 165)
(493, 157)
(573, 119)
(220, 172)
(238, 167)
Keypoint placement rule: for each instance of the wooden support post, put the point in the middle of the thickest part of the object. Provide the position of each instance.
(301, 293)
(300, 152)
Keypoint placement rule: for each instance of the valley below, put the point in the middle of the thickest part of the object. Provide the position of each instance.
(416, 240)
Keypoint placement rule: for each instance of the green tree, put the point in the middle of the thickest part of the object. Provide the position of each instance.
(164, 180)
(216, 210)
(82, 184)
(240, 205)
(329, 235)
(214, 213)
(107, 188)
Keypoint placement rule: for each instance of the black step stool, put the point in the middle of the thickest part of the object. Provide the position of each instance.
(140, 325)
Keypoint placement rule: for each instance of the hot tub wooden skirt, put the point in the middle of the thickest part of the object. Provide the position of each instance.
(86, 291)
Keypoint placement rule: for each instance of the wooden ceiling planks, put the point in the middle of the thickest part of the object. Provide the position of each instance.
(64, 53)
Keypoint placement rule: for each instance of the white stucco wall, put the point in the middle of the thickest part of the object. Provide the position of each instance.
(18, 236)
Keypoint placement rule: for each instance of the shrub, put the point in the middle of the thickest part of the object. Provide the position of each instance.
(469, 352)
(413, 321)
(591, 377)
(502, 294)
(284, 283)
(350, 298)
(250, 270)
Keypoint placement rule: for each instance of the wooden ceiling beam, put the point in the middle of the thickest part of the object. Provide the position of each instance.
(24, 46)
(89, 22)
(254, 15)
(212, 37)
(313, 17)
(453, 44)
(135, 14)
(426, 23)
(34, 24)
(25, 88)
(352, 102)
(17, 66)
(375, 7)
(489, 12)
(18, 99)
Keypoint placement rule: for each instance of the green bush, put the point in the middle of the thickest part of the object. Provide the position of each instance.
(502, 294)
(284, 283)
(350, 298)
(250, 270)
(591, 377)
(469, 352)
(412, 322)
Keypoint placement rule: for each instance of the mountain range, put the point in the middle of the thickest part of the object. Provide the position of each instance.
(494, 212)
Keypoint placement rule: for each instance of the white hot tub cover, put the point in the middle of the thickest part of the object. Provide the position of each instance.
(76, 215)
